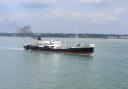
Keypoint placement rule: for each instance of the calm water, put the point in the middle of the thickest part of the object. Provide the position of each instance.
(107, 69)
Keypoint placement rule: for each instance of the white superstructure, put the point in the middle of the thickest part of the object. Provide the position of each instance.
(49, 44)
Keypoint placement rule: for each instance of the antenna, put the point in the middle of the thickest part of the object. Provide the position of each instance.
(76, 36)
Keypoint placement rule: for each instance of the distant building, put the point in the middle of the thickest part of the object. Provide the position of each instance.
(123, 37)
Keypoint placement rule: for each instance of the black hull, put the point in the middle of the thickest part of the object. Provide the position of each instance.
(88, 50)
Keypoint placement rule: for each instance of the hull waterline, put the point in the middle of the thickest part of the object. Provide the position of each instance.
(88, 50)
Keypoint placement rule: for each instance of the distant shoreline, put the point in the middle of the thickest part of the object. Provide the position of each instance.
(66, 35)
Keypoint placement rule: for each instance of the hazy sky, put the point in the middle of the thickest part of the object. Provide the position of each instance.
(87, 16)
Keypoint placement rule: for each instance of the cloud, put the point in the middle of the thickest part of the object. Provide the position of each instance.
(46, 13)
(95, 2)
(90, 1)
(103, 3)
(90, 17)
(31, 1)
(34, 5)
(22, 4)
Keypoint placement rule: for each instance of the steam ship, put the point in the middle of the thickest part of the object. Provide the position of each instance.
(56, 46)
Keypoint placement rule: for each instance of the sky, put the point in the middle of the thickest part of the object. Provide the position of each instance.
(65, 16)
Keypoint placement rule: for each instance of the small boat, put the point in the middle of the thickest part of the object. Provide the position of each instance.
(56, 46)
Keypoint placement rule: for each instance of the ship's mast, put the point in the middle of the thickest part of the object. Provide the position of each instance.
(76, 36)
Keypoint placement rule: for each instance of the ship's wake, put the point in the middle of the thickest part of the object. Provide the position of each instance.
(11, 48)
